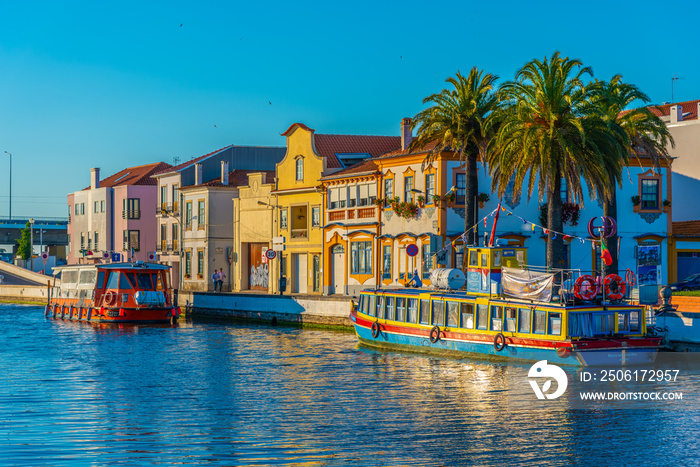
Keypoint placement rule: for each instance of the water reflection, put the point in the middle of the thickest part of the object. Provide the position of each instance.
(236, 394)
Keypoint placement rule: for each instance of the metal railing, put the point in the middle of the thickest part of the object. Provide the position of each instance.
(129, 245)
(131, 214)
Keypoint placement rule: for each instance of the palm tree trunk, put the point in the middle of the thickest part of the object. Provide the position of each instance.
(472, 189)
(555, 246)
(610, 210)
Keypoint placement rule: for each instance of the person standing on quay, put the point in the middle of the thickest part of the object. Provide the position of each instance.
(215, 279)
(222, 276)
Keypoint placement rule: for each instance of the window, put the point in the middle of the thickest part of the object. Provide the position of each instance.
(650, 193)
(364, 300)
(361, 257)
(100, 280)
(283, 219)
(429, 188)
(555, 324)
(188, 215)
(438, 317)
(623, 322)
(407, 187)
(459, 256)
(482, 316)
(82, 208)
(200, 215)
(461, 188)
(97, 243)
(174, 235)
(175, 194)
(77, 209)
(200, 262)
(333, 198)
(388, 191)
(511, 319)
(424, 311)
(163, 237)
(452, 314)
(300, 169)
(315, 217)
(113, 281)
(390, 308)
(352, 196)
(131, 208)
(634, 321)
(474, 258)
(163, 196)
(132, 240)
(96, 206)
(466, 311)
(124, 282)
(386, 262)
(427, 261)
(524, 324)
(188, 263)
(412, 310)
(102, 206)
(540, 322)
(89, 242)
(604, 323)
(372, 306)
(364, 195)
(380, 307)
(496, 318)
(82, 241)
(400, 309)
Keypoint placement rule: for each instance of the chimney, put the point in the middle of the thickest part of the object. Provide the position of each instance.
(94, 178)
(197, 174)
(676, 113)
(224, 173)
(406, 135)
(263, 175)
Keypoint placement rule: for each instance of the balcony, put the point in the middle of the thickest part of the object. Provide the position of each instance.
(336, 216)
(175, 245)
(353, 213)
(300, 233)
(170, 247)
(164, 208)
(129, 214)
(129, 245)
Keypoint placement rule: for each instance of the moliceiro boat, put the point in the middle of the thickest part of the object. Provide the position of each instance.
(113, 293)
(509, 310)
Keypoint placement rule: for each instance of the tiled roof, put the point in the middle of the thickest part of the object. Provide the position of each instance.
(193, 161)
(366, 166)
(686, 229)
(330, 145)
(406, 152)
(664, 110)
(140, 175)
(237, 178)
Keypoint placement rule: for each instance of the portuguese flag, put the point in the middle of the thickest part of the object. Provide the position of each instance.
(605, 253)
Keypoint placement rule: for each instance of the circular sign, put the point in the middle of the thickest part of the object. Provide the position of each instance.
(608, 229)
(105, 255)
(271, 254)
(412, 250)
(44, 256)
(151, 257)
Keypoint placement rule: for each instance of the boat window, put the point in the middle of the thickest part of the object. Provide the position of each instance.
(623, 322)
(390, 308)
(581, 324)
(159, 283)
(380, 307)
(113, 282)
(69, 277)
(400, 309)
(555, 324)
(100, 280)
(482, 316)
(438, 318)
(370, 306)
(144, 280)
(604, 323)
(452, 314)
(424, 311)
(497, 259)
(496, 318)
(412, 310)
(484, 260)
(467, 315)
(540, 322)
(511, 319)
(124, 282)
(634, 321)
(88, 276)
(473, 258)
(524, 324)
(361, 304)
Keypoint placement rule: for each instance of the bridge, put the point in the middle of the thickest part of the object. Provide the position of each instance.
(52, 230)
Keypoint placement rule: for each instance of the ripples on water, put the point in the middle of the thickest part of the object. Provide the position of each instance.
(236, 394)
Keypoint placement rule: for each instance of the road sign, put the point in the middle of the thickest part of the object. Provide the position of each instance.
(412, 250)
(270, 254)
(276, 240)
(279, 247)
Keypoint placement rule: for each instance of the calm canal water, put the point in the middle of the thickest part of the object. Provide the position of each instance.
(237, 394)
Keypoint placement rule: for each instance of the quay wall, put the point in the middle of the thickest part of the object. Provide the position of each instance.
(292, 309)
(24, 293)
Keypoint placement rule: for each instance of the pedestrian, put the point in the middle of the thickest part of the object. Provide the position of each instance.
(222, 276)
(215, 279)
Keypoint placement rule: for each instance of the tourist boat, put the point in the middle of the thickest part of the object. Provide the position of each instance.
(113, 293)
(509, 310)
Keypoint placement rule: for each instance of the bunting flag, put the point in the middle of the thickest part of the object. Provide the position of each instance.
(554, 235)
(605, 253)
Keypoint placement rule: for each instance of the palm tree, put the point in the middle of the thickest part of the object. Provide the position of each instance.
(642, 134)
(455, 122)
(547, 135)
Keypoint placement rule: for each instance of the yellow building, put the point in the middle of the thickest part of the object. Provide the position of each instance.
(298, 198)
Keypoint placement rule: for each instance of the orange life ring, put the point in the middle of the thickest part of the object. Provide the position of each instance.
(615, 287)
(109, 298)
(589, 291)
(630, 278)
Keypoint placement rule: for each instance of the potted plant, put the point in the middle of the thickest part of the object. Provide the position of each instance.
(483, 198)
(450, 197)
(667, 203)
(199, 276)
(187, 276)
(421, 200)
(636, 202)
(379, 202)
(436, 200)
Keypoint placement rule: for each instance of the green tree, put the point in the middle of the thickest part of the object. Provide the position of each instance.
(455, 122)
(547, 133)
(641, 134)
(24, 250)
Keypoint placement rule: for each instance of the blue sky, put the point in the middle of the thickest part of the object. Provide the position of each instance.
(111, 85)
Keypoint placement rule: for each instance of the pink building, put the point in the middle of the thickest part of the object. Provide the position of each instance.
(114, 215)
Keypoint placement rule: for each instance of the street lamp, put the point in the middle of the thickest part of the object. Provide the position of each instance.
(31, 245)
(9, 154)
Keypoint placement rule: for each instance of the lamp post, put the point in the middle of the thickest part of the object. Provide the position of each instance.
(41, 240)
(9, 154)
(31, 245)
